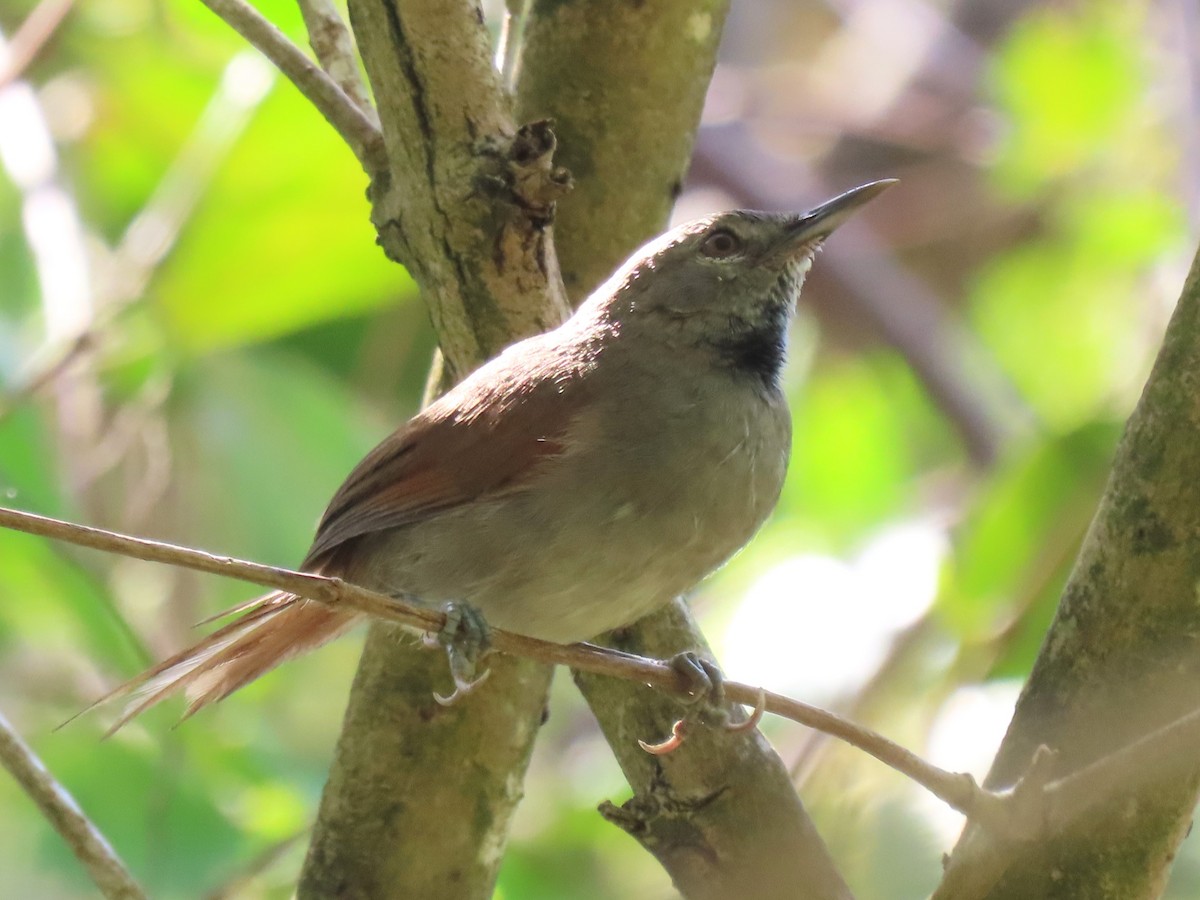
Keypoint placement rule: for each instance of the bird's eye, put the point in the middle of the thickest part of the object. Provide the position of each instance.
(720, 244)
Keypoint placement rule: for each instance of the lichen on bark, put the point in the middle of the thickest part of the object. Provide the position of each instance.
(1120, 659)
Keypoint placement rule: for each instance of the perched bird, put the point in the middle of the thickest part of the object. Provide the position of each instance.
(579, 480)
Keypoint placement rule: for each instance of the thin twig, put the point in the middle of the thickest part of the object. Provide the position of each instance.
(809, 756)
(46, 374)
(334, 46)
(1048, 808)
(512, 36)
(957, 790)
(355, 126)
(975, 661)
(28, 40)
(1022, 813)
(60, 809)
(1154, 757)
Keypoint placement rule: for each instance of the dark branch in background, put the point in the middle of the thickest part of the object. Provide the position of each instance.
(355, 126)
(103, 865)
(924, 134)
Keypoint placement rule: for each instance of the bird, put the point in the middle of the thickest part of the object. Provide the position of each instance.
(581, 478)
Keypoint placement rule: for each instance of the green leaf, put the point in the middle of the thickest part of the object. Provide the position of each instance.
(1061, 322)
(49, 601)
(168, 829)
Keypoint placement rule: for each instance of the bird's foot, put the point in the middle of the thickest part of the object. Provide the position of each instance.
(706, 687)
(465, 638)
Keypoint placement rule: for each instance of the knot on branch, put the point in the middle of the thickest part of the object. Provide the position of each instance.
(1021, 813)
(535, 183)
(660, 819)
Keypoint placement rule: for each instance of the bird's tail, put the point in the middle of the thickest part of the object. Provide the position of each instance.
(269, 630)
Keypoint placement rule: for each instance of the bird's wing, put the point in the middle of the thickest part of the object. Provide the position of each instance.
(483, 439)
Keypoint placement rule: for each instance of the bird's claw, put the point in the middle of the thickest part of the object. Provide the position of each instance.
(707, 690)
(464, 636)
(669, 745)
(462, 687)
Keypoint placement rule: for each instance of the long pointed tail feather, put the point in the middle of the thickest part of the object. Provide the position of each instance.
(272, 628)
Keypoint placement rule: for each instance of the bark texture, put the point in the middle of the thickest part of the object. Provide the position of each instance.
(1119, 660)
(720, 813)
(625, 86)
(419, 798)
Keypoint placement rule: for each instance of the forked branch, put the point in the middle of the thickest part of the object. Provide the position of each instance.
(357, 128)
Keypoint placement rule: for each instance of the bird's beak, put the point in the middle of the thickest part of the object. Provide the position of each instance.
(819, 223)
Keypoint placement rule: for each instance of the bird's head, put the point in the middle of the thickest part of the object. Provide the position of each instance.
(729, 280)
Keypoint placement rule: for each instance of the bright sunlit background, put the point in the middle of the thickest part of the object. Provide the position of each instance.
(199, 337)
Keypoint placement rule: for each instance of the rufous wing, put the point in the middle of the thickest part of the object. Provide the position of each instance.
(481, 440)
(484, 438)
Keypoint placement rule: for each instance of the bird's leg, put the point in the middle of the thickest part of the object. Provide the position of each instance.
(464, 636)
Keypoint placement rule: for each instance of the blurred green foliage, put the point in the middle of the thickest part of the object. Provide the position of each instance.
(1072, 84)
(228, 395)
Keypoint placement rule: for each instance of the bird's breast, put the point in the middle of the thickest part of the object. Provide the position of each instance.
(647, 516)
(641, 504)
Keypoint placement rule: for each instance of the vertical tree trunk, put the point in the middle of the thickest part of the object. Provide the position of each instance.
(419, 798)
(1120, 659)
(625, 84)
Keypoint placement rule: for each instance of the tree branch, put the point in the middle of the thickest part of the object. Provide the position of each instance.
(352, 123)
(1119, 660)
(333, 44)
(589, 658)
(457, 209)
(35, 32)
(627, 111)
(720, 813)
(957, 790)
(63, 813)
(419, 798)
(1035, 808)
